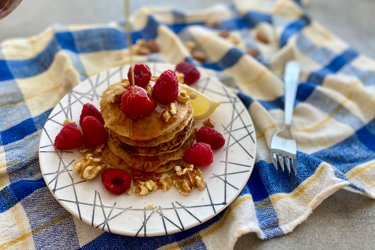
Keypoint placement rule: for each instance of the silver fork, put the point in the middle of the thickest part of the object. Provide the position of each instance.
(283, 145)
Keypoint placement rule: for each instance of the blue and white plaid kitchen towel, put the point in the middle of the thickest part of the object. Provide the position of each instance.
(334, 121)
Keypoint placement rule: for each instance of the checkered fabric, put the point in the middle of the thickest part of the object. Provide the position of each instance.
(334, 121)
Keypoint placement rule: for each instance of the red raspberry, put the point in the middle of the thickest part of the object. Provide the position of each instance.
(69, 137)
(136, 103)
(191, 73)
(210, 136)
(165, 89)
(116, 180)
(142, 75)
(200, 154)
(89, 109)
(93, 130)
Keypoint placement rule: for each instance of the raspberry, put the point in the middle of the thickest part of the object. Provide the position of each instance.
(116, 180)
(93, 130)
(89, 109)
(190, 72)
(210, 136)
(200, 154)
(69, 137)
(142, 75)
(136, 103)
(165, 89)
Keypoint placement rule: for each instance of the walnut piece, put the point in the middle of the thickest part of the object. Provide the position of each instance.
(89, 166)
(145, 183)
(66, 122)
(152, 46)
(199, 55)
(143, 47)
(183, 97)
(172, 108)
(180, 76)
(209, 123)
(143, 51)
(118, 91)
(262, 36)
(190, 45)
(252, 52)
(169, 113)
(165, 182)
(187, 178)
(142, 188)
(167, 116)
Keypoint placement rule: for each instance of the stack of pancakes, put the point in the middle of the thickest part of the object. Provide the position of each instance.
(149, 144)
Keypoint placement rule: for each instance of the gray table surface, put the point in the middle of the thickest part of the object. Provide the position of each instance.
(343, 221)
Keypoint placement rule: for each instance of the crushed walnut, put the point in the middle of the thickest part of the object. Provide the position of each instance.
(186, 178)
(183, 97)
(89, 166)
(144, 47)
(67, 122)
(144, 187)
(91, 163)
(169, 113)
(209, 123)
(190, 45)
(145, 183)
(199, 55)
(117, 92)
(180, 76)
(166, 182)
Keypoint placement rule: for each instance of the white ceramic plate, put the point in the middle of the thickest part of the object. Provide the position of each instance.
(158, 213)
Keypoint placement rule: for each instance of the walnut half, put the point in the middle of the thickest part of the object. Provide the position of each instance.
(187, 178)
(88, 166)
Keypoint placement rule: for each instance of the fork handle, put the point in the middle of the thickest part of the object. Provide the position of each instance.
(291, 77)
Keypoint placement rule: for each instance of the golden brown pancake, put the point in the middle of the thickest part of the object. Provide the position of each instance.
(145, 129)
(166, 147)
(116, 162)
(148, 163)
(158, 140)
(113, 159)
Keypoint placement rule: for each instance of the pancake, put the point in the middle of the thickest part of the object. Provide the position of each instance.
(168, 166)
(145, 129)
(166, 147)
(148, 163)
(158, 140)
(113, 159)
(117, 162)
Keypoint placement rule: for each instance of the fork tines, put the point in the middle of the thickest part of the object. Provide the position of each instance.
(283, 160)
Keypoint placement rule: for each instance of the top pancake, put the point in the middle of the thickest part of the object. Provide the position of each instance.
(144, 129)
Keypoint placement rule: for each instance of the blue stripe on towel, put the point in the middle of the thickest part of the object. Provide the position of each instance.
(306, 89)
(5, 73)
(356, 149)
(24, 128)
(293, 28)
(88, 41)
(16, 191)
(18, 131)
(279, 181)
(228, 60)
(247, 21)
(66, 41)
(334, 66)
